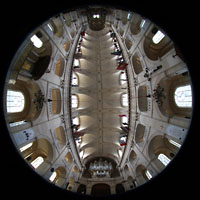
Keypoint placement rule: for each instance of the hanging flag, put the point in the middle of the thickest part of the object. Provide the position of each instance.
(122, 66)
(78, 134)
(117, 53)
(122, 115)
(123, 143)
(82, 33)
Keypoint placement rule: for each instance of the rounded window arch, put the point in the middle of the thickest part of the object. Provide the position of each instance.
(58, 176)
(15, 101)
(183, 96)
(140, 174)
(161, 151)
(136, 24)
(157, 44)
(177, 99)
(119, 188)
(21, 102)
(39, 154)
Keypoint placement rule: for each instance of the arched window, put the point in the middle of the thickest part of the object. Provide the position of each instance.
(122, 78)
(37, 162)
(15, 101)
(183, 96)
(158, 37)
(124, 98)
(36, 41)
(164, 159)
(76, 62)
(74, 102)
(26, 146)
(53, 176)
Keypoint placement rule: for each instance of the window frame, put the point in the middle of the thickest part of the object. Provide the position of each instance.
(9, 107)
(177, 102)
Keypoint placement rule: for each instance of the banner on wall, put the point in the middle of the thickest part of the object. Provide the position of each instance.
(122, 66)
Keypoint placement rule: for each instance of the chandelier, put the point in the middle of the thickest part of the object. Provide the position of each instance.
(100, 168)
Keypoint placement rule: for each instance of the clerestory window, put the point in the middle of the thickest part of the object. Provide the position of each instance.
(183, 96)
(15, 101)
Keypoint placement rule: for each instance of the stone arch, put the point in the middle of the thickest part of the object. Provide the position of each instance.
(139, 133)
(119, 188)
(160, 145)
(142, 98)
(40, 148)
(169, 84)
(140, 174)
(81, 189)
(135, 24)
(57, 27)
(31, 110)
(37, 60)
(156, 51)
(56, 101)
(100, 189)
(137, 63)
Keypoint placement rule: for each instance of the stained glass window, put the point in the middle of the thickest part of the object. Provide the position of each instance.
(183, 96)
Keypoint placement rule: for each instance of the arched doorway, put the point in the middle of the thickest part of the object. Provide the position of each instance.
(119, 188)
(81, 189)
(100, 189)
